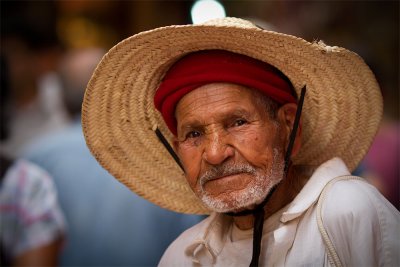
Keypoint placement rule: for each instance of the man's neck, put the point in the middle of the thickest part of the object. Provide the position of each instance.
(285, 192)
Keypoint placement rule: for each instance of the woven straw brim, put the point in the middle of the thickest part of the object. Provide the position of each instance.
(341, 114)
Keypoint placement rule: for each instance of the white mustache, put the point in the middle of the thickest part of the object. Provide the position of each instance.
(225, 170)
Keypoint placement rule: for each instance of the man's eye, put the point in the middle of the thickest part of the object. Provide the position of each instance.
(193, 134)
(240, 122)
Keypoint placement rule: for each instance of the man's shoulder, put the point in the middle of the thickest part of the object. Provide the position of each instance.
(361, 223)
(355, 199)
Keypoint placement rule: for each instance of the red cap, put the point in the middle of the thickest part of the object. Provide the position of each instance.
(211, 66)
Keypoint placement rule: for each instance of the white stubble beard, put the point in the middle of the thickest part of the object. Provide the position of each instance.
(253, 194)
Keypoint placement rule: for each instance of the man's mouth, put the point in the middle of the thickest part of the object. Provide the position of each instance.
(226, 173)
(225, 177)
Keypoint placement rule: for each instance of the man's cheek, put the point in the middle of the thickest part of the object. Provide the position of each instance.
(191, 174)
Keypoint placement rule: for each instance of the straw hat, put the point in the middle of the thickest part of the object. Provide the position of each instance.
(341, 113)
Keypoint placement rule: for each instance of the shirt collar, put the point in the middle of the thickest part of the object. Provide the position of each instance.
(210, 239)
(212, 234)
(311, 191)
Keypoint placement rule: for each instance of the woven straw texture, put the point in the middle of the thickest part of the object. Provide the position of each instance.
(341, 113)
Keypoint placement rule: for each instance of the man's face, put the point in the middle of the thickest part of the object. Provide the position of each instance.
(231, 148)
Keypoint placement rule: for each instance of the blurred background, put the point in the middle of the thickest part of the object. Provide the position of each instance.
(37, 35)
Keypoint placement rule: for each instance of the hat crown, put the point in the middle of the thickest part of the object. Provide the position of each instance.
(230, 22)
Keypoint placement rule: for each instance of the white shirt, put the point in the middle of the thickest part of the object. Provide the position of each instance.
(363, 226)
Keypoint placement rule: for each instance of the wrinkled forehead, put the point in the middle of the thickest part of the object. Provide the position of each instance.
(218, 101)
(215, 94)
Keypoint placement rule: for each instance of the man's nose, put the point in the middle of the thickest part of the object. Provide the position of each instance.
(217, 148)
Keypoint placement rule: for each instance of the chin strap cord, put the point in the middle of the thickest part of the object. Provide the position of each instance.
(257, 235)
(294, 130)
(258, 226)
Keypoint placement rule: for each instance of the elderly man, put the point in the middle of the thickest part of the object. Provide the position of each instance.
(225, 98)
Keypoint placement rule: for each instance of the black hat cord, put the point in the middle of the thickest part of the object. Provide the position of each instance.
(257, 212)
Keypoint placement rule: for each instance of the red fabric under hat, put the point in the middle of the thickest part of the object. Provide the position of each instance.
(211, 66)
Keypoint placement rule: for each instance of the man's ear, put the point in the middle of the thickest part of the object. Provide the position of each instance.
(286, 116)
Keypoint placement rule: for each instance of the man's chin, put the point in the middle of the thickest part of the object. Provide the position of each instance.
(236, 203)
(226, 207)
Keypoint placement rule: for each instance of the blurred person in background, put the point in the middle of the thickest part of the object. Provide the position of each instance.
(32, 225)
(31, 48)
(108, 224)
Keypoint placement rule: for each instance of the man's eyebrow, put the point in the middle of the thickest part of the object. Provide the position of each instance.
(192, 124)
(227, 115)
(240, 112)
